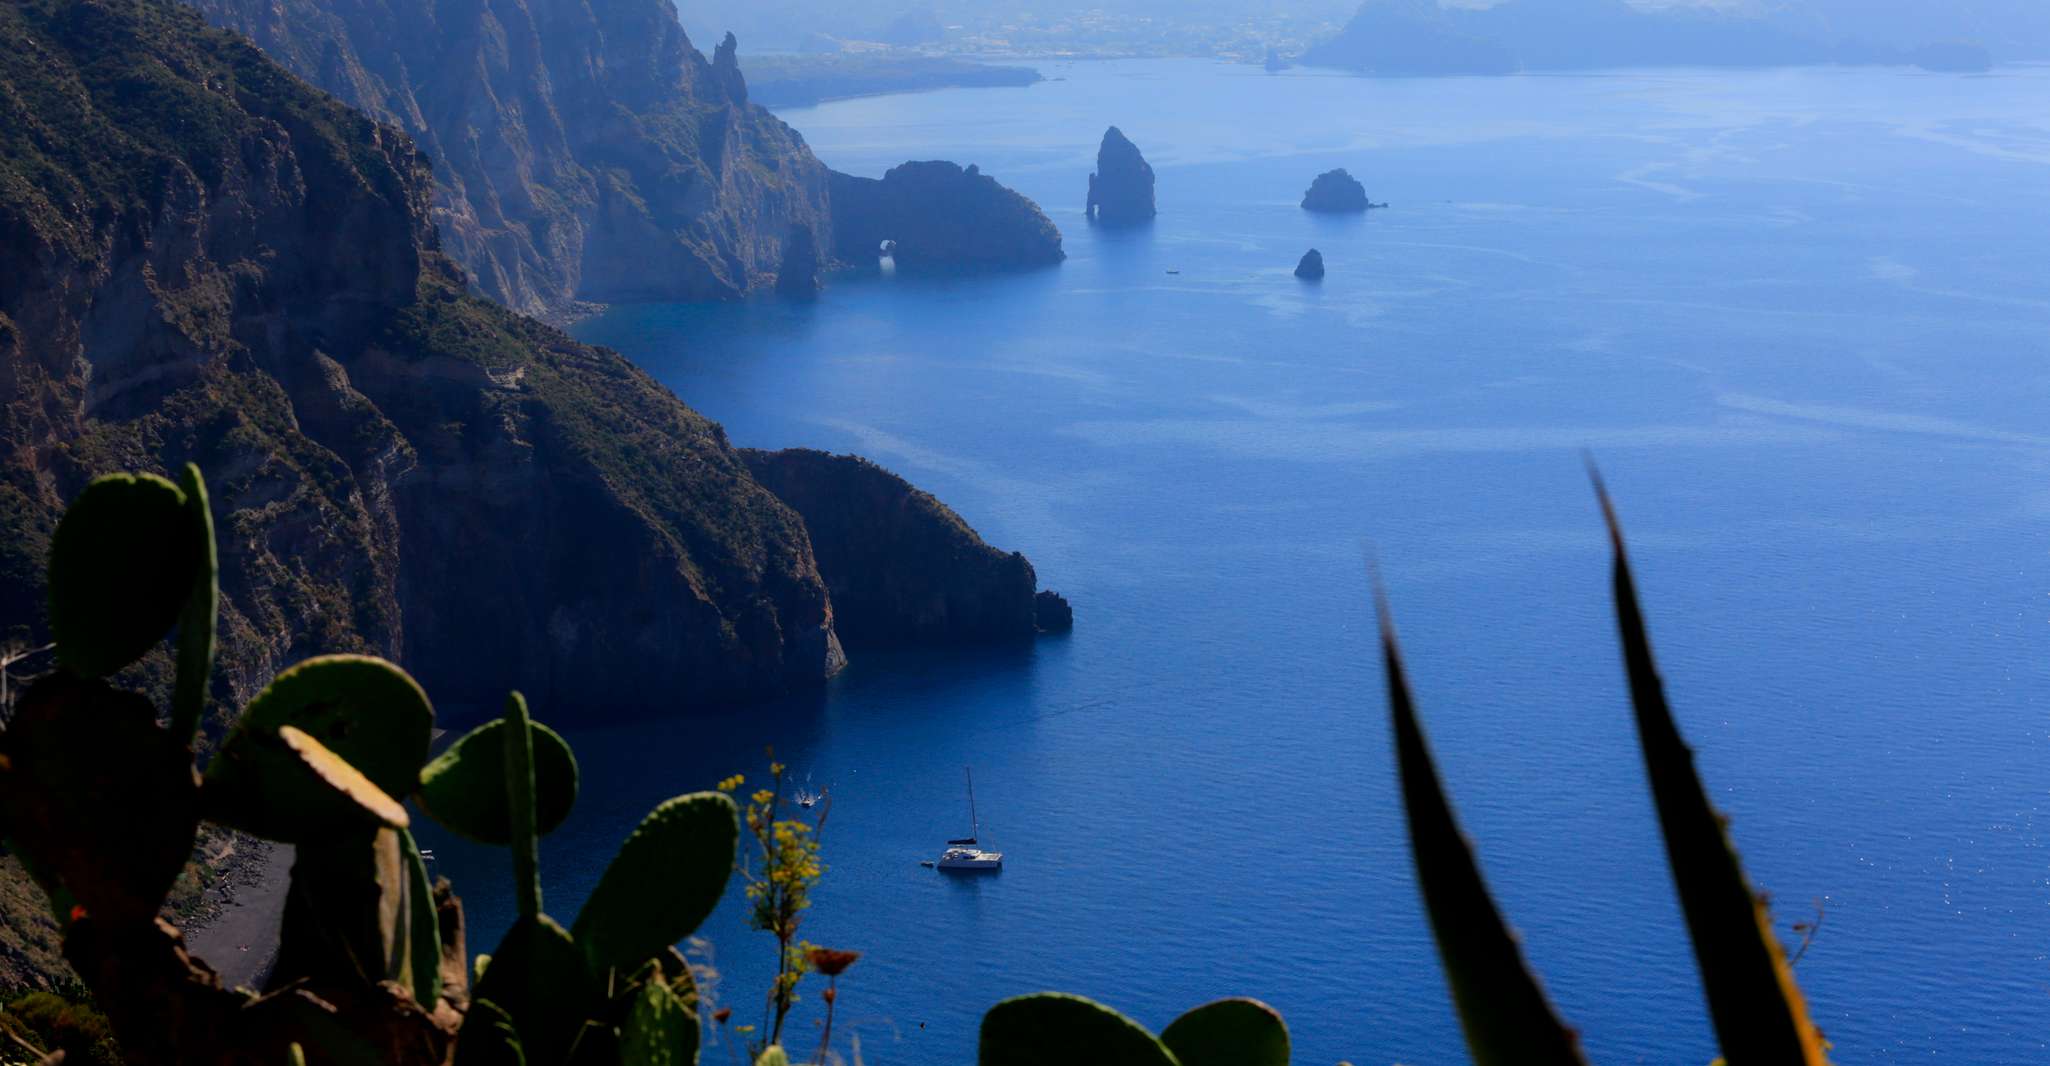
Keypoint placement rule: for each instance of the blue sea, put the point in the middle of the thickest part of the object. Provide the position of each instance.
(1801, 319)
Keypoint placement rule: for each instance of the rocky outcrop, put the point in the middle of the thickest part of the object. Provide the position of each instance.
(902, 566)
(798, 276)
(1311, 266)
(1121, 190)
(209, 261)
(1051, 613)
(581, 151)
(941, 217)
(1336, 192)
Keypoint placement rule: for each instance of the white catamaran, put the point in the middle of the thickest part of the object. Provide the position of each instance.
(964, 854)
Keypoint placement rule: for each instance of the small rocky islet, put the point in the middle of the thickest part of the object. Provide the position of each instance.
(1337, 192)
(1311, 266)
(1121, 190)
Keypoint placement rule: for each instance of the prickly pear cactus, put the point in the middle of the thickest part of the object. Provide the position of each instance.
(103, 801)
(367, 712)
(665, 880)
(1054, 1027)
(125, 559)
(463, 788)
(1229, 1032)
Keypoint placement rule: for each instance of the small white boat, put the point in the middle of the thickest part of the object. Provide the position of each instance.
(966, 858)
(965, 853)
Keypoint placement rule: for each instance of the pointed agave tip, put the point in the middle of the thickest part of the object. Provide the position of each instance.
(1384, 616)
(1601, 494)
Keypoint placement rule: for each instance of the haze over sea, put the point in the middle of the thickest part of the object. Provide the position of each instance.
(1801, 318)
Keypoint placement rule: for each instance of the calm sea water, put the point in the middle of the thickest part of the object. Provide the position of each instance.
(1801, 318)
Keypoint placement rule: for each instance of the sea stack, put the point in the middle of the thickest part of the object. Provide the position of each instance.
(797, 278)
(1311, 268)
(1121, 190)
(726, 70)
(1336, 192)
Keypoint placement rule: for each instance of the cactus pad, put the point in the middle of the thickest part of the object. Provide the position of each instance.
(363, 710)
(659, 1030)
(539, 978)
(102, 801)
(464, 787)
(666, 878)
(1053, 1027)
(488, 1038)
(1229, 1032)
(123, 563)
(423, 929)
(200, 615)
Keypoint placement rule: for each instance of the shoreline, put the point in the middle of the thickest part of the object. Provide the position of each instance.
(236, 928)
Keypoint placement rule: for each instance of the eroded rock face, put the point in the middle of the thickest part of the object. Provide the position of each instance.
(1121, 190)
(1311, 266)
(941, 217)
(1052, 613)
(903, 567)
(1336, 192)
(232, 269)
(581, 151)
(798, 276)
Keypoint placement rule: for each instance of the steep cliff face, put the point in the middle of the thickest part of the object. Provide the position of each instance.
(209, 261)
(940, 216)
(581, 151)
(1121, 190)
(903, 567)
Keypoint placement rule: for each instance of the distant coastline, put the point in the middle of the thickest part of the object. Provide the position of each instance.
(804, 80)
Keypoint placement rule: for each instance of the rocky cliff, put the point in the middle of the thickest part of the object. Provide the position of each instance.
(1121, 190)
(581, 151)
(210, 261)
(903, 567)
(940, 216)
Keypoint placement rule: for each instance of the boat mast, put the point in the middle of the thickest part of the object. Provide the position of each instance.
(974, 826)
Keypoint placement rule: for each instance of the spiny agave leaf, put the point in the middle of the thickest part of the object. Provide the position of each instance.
(518, 776)
(201, 612)
(101, 803)
(488, 1038)
(123, 562)
(464, 787)
(1229, 1032)
(659, 1030)
(344, 782)
(423, 929)
(539, 978)
(364, 710)
(1050, 1027)
(666, 878)
(1757, 1008)
(1502, 1009)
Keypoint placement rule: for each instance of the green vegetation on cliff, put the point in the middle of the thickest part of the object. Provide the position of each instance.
(581, 151)
(211, 262)
(902, 566)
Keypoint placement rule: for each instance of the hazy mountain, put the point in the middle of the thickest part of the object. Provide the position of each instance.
(1434, 37)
